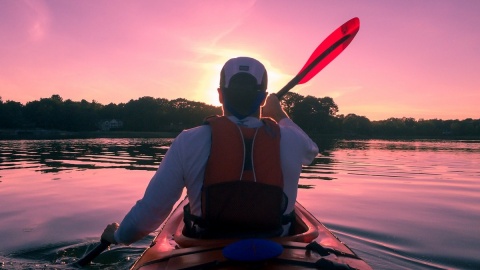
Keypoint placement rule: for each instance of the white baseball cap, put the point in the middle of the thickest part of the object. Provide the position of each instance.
(244, 65)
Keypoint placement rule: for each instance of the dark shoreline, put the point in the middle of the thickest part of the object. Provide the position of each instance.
(58, 135)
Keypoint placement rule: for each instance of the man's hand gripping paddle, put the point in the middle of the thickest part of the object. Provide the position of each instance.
(330, 48)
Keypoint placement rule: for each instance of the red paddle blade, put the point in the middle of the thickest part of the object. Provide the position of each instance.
(330, 48)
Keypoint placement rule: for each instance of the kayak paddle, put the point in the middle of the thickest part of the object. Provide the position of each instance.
(104, 244)
(330, 48)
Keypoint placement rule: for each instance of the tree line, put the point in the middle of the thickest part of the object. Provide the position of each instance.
(314, 115)
(143, 114)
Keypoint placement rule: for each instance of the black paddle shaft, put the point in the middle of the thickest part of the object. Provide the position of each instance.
(309, 68)
(93, 254)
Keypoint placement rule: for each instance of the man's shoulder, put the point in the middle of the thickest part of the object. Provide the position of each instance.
(196, 132)
(192, 142)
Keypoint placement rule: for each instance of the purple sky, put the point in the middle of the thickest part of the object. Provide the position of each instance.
(411, 58)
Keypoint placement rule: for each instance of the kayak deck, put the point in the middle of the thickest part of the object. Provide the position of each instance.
(312, 246)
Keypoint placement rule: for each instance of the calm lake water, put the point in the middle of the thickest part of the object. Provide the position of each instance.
(398, 204)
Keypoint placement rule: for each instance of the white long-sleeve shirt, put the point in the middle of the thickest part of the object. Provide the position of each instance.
(184, 166)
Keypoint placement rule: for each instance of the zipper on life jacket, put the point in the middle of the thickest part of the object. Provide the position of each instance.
(251, 156)
(248, 154)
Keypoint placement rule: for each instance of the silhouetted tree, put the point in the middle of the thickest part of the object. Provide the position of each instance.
(355, 124)
(145, 114)
(289, 101)
(11, 114)
(46, 113)
(315, 114)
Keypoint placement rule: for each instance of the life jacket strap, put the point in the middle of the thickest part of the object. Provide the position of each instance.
(192, 222)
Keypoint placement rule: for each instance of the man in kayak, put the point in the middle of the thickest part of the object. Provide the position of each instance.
(240, 171)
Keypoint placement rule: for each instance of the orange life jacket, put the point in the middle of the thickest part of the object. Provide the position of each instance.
(242, 190)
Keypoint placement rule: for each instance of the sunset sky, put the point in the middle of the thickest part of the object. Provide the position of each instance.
(411, 58)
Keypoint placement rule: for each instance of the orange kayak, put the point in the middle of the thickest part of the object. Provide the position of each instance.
(312, 246)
